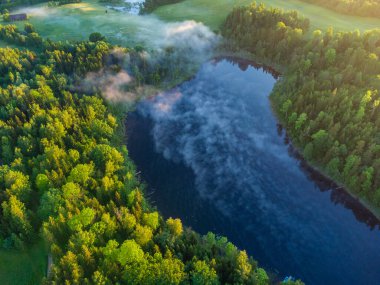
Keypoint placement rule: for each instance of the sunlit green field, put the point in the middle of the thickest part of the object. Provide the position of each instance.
(23, 268)
(78, 21)
(214, 12)
(5, 44)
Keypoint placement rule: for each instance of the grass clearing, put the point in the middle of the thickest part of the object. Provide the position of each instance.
(213, 13)
(3, 44)
(23, 267)
(77, 21)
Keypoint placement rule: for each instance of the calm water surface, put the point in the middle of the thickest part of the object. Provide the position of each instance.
(213, 154)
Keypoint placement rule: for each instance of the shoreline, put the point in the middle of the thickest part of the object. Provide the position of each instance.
(247, 56)
(337, 185)
(277, 71)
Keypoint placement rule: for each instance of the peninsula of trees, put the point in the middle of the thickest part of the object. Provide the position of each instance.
(328, 97)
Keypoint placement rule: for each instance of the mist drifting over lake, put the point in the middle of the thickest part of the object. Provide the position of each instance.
(213, 154)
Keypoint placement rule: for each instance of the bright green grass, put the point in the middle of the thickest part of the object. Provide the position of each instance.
(3, 44)
(78, 21)
(23, 268)
(213, 12)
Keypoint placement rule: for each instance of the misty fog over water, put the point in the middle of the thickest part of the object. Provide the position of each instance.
(213, 155)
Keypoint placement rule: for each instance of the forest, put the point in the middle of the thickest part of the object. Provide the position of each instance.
(363, 8)
(328, 95)
(151, 5)
(66, 176)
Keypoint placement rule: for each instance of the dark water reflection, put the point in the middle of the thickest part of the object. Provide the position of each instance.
(213, 154)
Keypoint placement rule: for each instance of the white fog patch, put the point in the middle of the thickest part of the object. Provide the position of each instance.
(132, 7)
(41, 12)
(166, 101)
(176, 46)
(110, 84)
(188, 38)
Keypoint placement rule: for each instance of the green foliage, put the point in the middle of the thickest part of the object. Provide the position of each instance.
(143, 235)
(155, 270)
(96, 37)
(29, 28)
(42, 183)
(81, 174)
(255, 29)
(81, 220)
(71, 191)
(151, 220)
(6, 17)
(130, 252)
(49, 204)
(15, 222)
(175, 226)
(203, 274)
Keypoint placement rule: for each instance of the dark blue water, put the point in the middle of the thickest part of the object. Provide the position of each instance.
(213, 154)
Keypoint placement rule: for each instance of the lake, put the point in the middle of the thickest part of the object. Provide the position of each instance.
(213, 154)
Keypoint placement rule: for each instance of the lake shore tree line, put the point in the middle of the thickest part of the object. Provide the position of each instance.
(328, 96)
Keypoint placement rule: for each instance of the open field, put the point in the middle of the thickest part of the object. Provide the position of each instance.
(23, 267)
(3, 44)
(78, 21)
(212, 13)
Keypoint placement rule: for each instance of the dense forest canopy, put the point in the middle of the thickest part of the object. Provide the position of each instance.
(151, 5)
(65, 174)
(328, 97)
(364, 8)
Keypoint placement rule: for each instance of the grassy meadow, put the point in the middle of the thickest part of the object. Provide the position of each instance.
(23, 267)
(77, 21)
(3, 44)
(213, 13)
